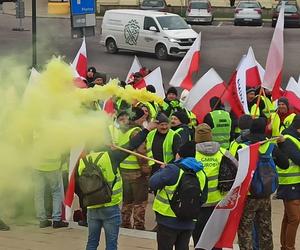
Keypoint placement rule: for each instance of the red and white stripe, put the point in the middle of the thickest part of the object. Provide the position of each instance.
(274, 65)
(135, 67)
(221, 228)
(80, 62)
(189, 65)
(208, 86)
(292, 92)
(154, 78)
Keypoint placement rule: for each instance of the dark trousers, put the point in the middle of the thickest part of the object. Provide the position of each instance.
(205, 213)
(169, 237)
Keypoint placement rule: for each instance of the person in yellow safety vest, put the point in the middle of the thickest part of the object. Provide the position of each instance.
(220, 122)
(289, 185)
(162, 143)
(108, 215)
(257, 211)
(244, 124)
(210, 154)
(173, 231)
(134, 172)
(49, 175)
(193, 119)
(179, 121)
(283, 118)
(171, 103)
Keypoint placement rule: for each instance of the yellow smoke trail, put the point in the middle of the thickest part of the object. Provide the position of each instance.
(47, 120)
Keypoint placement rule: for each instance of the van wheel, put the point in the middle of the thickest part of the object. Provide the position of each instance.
(161, 52)
(111, 46)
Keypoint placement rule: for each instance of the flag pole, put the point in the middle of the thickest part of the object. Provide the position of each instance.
(138, 154)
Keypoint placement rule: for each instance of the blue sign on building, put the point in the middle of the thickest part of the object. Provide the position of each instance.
(81, 7)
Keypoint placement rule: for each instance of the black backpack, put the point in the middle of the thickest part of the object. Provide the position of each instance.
(187, 198)
(93, 185)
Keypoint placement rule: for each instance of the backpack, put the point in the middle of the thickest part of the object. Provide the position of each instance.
(265, 178)
(187, 198)
(93, 185)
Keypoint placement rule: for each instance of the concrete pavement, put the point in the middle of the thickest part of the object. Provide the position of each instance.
(30, 237)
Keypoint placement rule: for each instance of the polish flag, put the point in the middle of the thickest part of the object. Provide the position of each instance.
(261, 71)
(80, 61)
(70, 193)
(221, 228)
(109, 107)
(292, 93)
(135, 67)
(252, 78)
(155, 79)
(273, 75)
(208, 86)
(189, 65)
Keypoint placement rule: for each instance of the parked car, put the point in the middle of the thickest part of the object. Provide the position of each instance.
(291, 14)
(159, 5)
(248, 12)
(199, 11)
(156, 32)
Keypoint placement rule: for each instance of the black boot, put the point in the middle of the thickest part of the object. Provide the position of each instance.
(59, 224)
(3, 226)
(45, 223)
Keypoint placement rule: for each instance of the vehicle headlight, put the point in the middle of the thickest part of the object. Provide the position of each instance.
(172, 40)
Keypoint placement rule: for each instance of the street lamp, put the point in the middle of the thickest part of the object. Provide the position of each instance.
(34, 57)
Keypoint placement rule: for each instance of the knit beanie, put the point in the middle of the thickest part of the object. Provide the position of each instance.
(151, 88)
(249, 90)
(122, 113)
(215, 103)
(161, 117)
(258, 126)
(245, 122)
(296, 122)
(92, 69)
(137, 113)
(284, 100)
(182, 117)
(187, 150)
(203, 133)
(172, 90)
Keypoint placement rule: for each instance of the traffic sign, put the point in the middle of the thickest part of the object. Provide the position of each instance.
(82, 7)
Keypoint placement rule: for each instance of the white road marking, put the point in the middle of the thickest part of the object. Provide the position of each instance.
(219, 25)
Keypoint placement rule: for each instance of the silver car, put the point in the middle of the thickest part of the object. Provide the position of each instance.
(199, 11)
(248, 12)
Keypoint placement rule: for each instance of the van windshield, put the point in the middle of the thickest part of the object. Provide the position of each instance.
(172, 23)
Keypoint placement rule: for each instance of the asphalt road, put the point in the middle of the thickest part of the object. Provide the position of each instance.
(222, 47)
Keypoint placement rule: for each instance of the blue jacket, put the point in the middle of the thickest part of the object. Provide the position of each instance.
(292, 191)
(168, 176)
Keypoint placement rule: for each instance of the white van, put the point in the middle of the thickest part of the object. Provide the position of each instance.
(148, 31)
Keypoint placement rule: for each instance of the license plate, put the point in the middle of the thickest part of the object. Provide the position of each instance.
(248, 19)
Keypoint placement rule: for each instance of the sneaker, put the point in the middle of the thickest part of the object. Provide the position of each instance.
(82, 223)
(3, 226)
(59, 224)
(45, 223)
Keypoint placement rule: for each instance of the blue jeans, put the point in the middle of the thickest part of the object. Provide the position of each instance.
(110, 219)
(54, 181)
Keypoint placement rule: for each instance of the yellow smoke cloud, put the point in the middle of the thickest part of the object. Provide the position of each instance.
(46, 118)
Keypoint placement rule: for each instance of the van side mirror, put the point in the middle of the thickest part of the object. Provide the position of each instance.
(152, 28)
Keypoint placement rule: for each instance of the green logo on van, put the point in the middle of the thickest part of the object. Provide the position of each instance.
(131, 32)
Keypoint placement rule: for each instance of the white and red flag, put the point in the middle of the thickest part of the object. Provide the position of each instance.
(108, 106)
(70, 193)
(274, 65)
(135, 67)
(80, 62)
(221, 228)
(155, 79)
(189, 65)
(208, 86)
(292, 93)
(252, 69)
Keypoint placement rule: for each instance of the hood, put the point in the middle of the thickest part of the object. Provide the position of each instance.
(181, 34)
(208, 148)
(243, 137)
(190, 163)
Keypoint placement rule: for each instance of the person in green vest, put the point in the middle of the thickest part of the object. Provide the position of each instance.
(289, 185)
(179, 124)
(172, 231)
(283, 117)
(134, 171)
(211, 155)
(220, 122)
(162, 143)
(171, 102)
(108, 215)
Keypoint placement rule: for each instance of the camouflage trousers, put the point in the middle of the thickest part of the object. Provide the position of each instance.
(258, 210)
(135, 199)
